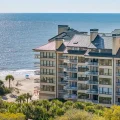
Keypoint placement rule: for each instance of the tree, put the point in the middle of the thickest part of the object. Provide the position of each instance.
(27, 96)
(1, 83)
(113, 113)
(9, 78)
(20, 99)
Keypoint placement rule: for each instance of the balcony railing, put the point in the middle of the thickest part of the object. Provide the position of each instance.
(100, 64)
(51, 57)
(47, 81)
(47, 65)
(70, 78)
(91, 73)
(70, 96)
(70, 69)
(73, 60)
(63, 57)
(117, 93)
(82, 88)
(118, 83)
(81, 61)
(118, 65)
(68, 87)
(92, 82)
(118, 74)
(45, 73)
(37, 72)
(105, 102)
(37, 56)
(83, 79)
(61, 74)
(62, 91)
(106, 74)
(92, 91)
(63, 82)
(62, 66)
(37, 64)
(91, 63)
(106, 93)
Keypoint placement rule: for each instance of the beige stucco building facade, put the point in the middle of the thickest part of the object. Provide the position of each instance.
(80, 66)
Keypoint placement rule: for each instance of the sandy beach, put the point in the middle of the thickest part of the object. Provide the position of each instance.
(21, 83)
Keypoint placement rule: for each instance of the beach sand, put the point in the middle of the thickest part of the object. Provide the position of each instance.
(25, 85)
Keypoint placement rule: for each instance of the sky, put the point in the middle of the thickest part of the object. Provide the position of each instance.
(59, 6)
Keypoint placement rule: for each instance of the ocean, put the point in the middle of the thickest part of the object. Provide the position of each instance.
(20, 33)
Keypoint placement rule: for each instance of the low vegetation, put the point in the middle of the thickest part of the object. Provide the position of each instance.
(57, 110)
(3, 90)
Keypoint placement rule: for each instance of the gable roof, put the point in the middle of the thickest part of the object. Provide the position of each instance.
(65, 35)
(101, 42)
(48, 46)
(79, 41)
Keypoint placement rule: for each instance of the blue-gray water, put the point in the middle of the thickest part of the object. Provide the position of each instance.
(20, 33)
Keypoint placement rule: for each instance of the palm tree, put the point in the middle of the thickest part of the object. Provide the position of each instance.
(9, 78)
(20, 99)
(27, 96)
(1, 83)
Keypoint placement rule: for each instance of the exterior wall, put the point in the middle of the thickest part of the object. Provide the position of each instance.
(62, 28)
(116, 45)
(47, 75)
(64, 61)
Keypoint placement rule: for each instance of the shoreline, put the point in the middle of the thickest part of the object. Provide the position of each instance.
(25, 85)
(18, 74)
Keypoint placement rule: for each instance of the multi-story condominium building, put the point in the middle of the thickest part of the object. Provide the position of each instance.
(80, 66)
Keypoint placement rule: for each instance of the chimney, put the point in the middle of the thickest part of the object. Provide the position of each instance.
(58, 42)
(116, 43)
(93, 34)
(62, 28)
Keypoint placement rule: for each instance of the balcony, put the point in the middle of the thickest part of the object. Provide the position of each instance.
(50, 57)
(93, 82)
(118, 65)
(70, 79)
(62, 66)
(118, 93)
(45, 73)
(70, 70)
(69, 87)
(92, 91)
(37, 64)
(83, 69)
(37, 56)
(84, 89)
(70, 96)
(91, 73)
(105, 74)
(73, 61)
(105, 93)
(83, 78)
(63, 57)
(92, 63)
(37, 72)
(63, 82)
(118, 103)
(118, 74)
(62, 91)
(47, 81)
(62, 74)
(118, 83)
(47, 65)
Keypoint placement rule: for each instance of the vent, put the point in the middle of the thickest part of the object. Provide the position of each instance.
(96, 44)
(75, 43)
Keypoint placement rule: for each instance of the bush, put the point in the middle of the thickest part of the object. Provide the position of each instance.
(12, 116)
(79, 115)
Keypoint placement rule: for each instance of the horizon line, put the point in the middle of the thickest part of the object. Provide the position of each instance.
(59, 13)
